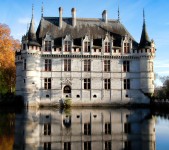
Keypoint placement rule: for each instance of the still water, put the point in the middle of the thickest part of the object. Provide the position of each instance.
(83, 129)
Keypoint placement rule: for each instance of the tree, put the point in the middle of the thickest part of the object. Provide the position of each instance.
(8, 46)
(163, 92)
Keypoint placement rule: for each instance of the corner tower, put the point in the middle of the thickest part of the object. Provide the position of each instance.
(147, 54)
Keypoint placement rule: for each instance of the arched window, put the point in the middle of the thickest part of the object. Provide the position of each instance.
(67, 89)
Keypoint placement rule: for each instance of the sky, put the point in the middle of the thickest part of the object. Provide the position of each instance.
(17, 15)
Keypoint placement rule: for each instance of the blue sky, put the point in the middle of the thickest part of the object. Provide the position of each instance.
(17, 14)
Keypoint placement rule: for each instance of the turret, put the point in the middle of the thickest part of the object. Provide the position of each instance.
(146, 63)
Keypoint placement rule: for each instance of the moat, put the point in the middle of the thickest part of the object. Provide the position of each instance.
(84, 129)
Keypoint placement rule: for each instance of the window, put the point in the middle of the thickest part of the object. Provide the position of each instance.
(87, 65)
(87, 46)
(87, 84)
(47, 83)
(107, 84)
(126, 83)
(106, 65)
(67, 65)
(67, 89)
(126, 66)
(24, 64)
(126, 48)
(48, 64)
(107, 47)
(47, 129)
(107, 145)
(108, 128)
(67, 46)
(47, 146)
(67, 146)
(87, 145)
(87, 129)
(24, 46)
(127, 127)
(47, 46)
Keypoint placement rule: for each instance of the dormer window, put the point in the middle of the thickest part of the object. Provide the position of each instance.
(87, 46)
(24, 46)
(48, 46)
(67, 46)
(107, 47)
(126, 48)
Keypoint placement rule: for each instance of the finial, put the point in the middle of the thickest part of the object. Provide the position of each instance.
(42, 10)
(118, 13)
(143, 16)
(32, 10)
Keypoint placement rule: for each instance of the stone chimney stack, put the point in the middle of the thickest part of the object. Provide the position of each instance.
(104, 16)
(60, 17)
(73, 17)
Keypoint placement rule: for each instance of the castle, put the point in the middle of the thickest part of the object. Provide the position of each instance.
(89, 61)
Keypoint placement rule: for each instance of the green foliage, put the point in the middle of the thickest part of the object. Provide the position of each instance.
(67, 103)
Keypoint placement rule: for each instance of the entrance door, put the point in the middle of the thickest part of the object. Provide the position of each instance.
(67, 91)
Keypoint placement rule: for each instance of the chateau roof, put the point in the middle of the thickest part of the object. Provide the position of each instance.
(94, 28)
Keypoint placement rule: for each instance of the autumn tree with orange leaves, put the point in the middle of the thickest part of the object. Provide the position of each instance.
(8, 46)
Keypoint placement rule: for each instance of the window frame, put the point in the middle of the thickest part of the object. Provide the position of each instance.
(47, 83)
(87, 83)
(48, 46)
(87, 65)
(86, 46)
(48, 65)
(106, 65)
(126, 47)
(127, 84)
(126, 66)
(67, 46)
(107, 127)
(107, 84)
(47, 129)
(107, 47)
(67, 64)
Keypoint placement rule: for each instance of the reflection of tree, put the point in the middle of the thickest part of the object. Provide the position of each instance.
(7, 126)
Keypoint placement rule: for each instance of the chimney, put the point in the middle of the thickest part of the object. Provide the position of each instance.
(104, 16)
(60, 17)
(73, 17)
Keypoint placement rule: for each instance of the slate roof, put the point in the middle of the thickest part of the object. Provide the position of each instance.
(144, 41)
(95, 28)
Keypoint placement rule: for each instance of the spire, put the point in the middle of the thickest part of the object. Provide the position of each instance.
(42, 10)
(118, 13)
(144, 41)
(31, 32)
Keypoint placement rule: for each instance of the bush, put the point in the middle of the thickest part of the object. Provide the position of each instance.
(67, 103)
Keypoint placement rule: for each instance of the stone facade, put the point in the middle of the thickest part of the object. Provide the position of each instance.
(89, 61)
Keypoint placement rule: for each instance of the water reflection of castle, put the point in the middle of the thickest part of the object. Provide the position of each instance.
(85, 129)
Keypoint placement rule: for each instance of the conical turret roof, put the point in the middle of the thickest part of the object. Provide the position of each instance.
(144, 41)
(31, 32)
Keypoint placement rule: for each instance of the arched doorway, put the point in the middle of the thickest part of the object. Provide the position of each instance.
(67, 91)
